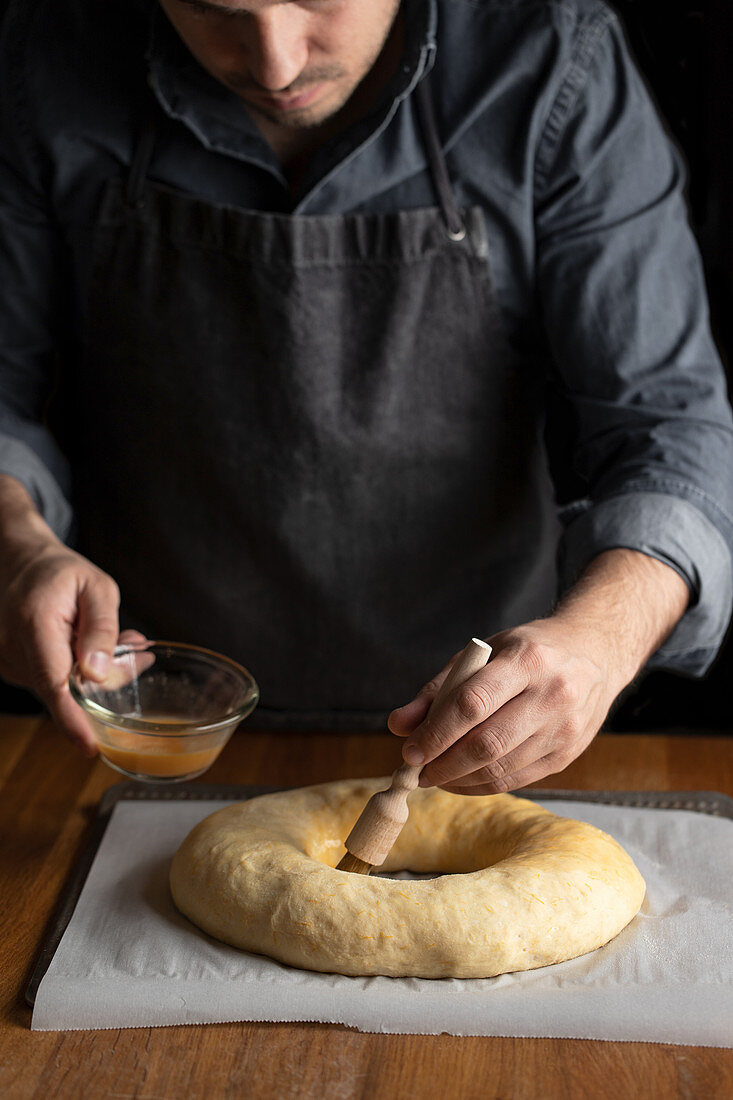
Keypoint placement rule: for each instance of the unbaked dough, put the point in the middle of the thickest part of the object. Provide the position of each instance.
(520, 886)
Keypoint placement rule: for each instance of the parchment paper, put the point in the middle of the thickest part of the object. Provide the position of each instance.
(129, 959)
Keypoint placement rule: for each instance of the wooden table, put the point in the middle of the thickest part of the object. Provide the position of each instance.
(49, 795)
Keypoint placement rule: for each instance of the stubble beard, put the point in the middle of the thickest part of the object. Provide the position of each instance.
(307, 118)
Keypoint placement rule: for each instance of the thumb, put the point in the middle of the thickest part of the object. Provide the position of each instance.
(406, 719)
(97, 625)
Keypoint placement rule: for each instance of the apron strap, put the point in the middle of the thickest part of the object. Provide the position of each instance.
(143, 151)
(436, 162)
(145, 145)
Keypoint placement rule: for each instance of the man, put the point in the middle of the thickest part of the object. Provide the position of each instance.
(303, 284)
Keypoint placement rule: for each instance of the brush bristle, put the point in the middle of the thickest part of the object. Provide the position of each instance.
(353, 864)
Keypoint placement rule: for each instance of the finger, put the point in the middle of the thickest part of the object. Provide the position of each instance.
(403, 720)
(47, 653)
(139, 661)
(71, 720)
(546, 765)
(507, 742)
(534, 748)
(48, 660)
(467, 707)
(129, 662)
(97, 625)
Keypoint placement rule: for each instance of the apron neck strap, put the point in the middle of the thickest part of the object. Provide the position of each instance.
(143, 154)
(436, 162)
(143, 151)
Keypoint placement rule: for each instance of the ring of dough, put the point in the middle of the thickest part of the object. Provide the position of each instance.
(521, 887)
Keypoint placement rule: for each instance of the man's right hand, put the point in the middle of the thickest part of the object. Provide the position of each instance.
(55, 608)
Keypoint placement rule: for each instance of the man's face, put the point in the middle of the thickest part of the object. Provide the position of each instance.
(296, 62)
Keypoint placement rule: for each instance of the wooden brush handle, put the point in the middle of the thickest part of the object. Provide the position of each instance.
(386, 812)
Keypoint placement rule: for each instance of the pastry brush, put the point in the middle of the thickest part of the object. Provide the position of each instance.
(381, 821)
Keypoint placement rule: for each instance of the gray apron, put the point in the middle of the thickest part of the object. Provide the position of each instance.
(304, 441)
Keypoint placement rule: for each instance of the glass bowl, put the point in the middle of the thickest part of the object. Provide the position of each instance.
(165, 710)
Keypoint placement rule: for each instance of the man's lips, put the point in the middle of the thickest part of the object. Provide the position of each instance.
(291, 102)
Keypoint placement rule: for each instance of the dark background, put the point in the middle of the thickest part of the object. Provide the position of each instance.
(684, 50)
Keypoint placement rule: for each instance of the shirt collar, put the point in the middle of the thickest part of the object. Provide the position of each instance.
(188, 93)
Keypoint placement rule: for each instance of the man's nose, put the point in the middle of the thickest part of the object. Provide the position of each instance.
(278, 49)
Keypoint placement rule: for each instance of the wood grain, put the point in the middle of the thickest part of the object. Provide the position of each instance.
(49, 796)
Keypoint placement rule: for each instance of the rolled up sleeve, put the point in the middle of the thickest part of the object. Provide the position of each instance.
(645, 426)
(31, 305)
(678, 534)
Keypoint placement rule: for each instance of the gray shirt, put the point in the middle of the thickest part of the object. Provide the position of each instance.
(546, 126)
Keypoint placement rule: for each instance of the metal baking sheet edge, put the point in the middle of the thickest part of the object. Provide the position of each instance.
(706, 802)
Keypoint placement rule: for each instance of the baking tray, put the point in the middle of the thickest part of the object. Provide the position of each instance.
(706, 802)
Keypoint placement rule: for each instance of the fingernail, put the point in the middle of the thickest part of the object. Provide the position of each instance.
(97, 662)
(413, 755)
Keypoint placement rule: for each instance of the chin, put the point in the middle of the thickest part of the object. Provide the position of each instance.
(306, 119)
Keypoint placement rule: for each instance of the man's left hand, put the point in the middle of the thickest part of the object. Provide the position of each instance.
(550, 683)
